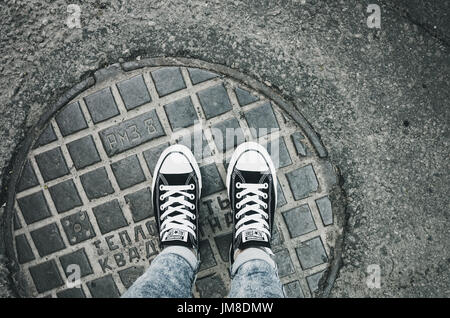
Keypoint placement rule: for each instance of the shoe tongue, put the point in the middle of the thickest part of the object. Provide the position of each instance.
(252, 176)
(173, 180)
(254, 235)
(175, 235)
(176, 179)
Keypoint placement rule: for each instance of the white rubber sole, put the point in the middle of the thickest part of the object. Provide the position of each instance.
(248, 146)
(185, 151)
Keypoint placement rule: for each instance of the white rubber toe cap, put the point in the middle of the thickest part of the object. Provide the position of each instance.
(252, 161)
(176, 163)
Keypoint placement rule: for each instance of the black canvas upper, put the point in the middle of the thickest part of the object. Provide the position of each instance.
(251, 177)
(177, 179)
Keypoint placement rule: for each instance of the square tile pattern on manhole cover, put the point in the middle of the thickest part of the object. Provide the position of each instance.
(84, 196)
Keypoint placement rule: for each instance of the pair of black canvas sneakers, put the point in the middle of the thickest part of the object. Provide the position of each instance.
(252, 190)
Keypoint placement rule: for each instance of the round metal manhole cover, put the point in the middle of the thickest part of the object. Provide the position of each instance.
(82, 203)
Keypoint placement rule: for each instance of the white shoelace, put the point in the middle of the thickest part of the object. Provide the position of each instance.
(182, 221)
(251, 193)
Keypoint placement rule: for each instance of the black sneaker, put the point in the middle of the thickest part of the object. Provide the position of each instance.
(176, 190)
(252, 189)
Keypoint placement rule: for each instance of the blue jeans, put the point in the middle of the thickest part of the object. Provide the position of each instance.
(172, 274)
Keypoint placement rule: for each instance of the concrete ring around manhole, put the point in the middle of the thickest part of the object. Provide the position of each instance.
(79, 198)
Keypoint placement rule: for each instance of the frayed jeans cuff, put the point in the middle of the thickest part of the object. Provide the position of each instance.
(250, 254)
(185, 253)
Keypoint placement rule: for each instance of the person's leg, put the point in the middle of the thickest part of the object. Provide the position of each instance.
(170, 275)
(252, 190)
(255, 275)
(176, 190)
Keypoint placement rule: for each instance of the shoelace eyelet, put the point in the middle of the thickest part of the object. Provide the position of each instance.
(192, 186)
(238, 185)
(192, 196)
(161, 197)
(161, 187)
(265, 196)
(266, 185)
(238, 196)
